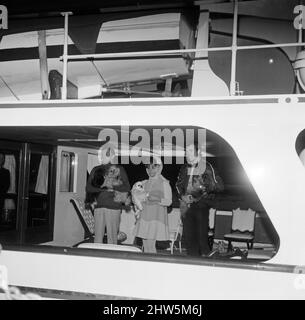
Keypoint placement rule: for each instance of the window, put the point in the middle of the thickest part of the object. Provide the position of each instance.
(238, 191)
(67, 171)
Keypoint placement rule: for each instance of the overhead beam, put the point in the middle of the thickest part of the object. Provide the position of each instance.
(141, 7)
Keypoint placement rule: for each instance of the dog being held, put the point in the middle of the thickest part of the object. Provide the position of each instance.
(139, 195)
(106, 179)
(112, 178)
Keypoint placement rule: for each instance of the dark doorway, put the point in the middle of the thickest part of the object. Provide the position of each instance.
(28, 212)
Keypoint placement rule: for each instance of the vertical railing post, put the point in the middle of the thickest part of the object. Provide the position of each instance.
(299, 83)
(43, 64)
(300, 37)
(234, 50)
(65, 56)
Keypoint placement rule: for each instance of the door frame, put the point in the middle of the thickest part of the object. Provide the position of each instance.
(22, 184)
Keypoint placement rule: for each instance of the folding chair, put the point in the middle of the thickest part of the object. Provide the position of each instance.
(86, 218)
(175, 229)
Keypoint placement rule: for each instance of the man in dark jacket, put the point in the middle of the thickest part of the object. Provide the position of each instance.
(196, 185)
(4, 181)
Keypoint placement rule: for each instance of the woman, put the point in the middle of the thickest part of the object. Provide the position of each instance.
(152, 224)
(105, 182)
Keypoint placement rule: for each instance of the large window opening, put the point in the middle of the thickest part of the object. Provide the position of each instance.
(227, 194)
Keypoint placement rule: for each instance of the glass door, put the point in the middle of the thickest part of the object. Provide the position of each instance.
(27, 192)
(39, 194)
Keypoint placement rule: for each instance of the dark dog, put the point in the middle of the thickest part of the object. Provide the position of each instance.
(97, 181)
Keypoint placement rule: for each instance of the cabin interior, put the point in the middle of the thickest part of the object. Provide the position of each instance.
(49, 166)
(128, 52)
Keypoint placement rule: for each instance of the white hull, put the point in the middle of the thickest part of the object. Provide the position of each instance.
(133, 278)
(265, 146)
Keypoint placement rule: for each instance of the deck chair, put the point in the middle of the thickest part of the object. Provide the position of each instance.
(242, 229)
(211, 233)
(175, 230)
(86, 218)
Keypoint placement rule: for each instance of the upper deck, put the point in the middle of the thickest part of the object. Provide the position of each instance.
(194, 49)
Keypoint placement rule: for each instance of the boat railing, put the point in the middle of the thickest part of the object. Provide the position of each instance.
(234, 48)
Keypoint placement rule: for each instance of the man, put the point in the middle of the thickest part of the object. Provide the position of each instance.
(4, 181)
(196, 185)
(106, 182)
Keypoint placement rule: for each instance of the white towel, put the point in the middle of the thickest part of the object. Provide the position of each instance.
(10, 164)
(43, 175)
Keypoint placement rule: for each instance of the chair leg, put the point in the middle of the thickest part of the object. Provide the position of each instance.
(229, 246)
(211, 241)
(180, 248)
(87, 239)
(172, 247)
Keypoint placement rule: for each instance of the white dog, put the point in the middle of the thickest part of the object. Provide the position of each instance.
(139, 196)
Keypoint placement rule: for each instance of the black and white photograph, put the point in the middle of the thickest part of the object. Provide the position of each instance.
(152, 151)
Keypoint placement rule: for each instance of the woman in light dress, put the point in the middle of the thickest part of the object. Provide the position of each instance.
(152, 224)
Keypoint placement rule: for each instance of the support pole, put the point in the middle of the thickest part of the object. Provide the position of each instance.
(300, 35)
(234, 50)
(43, 62)
(299, 82)
(65, 57)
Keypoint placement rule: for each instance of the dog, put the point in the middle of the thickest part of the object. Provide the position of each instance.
(139, 195)
(106, 179)
(112, 178)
